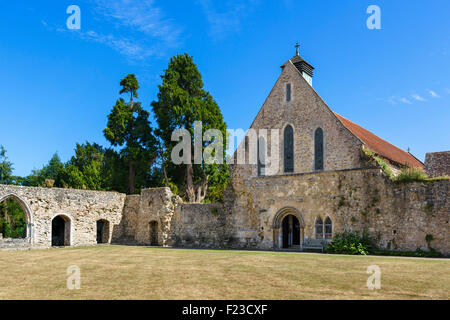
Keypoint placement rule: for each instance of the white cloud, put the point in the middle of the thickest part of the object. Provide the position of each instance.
(404, 100)
(417, 97)
(142, 16)
(392, 100)
(433, 94)
(228, 18)
(125, 46)
(141, 30)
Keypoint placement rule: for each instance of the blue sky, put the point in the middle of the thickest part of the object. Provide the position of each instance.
(58, 85)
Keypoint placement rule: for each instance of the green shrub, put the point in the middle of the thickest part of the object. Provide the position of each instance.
(411, 174)
(383, 164)
(351, 243)
(354, 243)
(438, 178)
(406, 174)
(418, 253)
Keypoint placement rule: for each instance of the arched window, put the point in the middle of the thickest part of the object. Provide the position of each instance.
(288, 149)
(328, 228)
(261, 156)
(318, 149)
(319, 228)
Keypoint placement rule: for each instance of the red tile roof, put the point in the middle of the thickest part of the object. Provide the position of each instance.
(380, 146)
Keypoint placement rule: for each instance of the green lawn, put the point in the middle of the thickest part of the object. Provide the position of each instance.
(119, 272)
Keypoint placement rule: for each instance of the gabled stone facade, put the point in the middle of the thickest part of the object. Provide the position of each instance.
(306, 112)
(262, 210)
(347, 193)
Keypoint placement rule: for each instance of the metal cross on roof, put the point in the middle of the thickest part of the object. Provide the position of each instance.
(296, 47)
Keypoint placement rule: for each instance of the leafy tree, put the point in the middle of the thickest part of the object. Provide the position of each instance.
(18, 180)
(95, 168)
(182, 101)
(85, 169)
(129, 127)
(115, 172)
(50, 173)
(12, 219)
(6, 167)
(130, 85)
(53, 169)
(72, 177)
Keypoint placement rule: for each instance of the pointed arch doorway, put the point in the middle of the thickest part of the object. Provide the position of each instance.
(288, 229)
(26, 217)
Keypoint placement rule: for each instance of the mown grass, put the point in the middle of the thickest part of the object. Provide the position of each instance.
(119, 272)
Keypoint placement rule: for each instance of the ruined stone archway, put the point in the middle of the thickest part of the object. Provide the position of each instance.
(277, 226)
(61, 231)
(26, 211)
(103, 231)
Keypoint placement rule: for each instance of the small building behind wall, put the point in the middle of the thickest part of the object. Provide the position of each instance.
(437, 164)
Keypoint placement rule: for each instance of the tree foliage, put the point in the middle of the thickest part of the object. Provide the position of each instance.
(49, 174)
(85, 169)
(6, 168)
(129, 128)
(12, 219)
(137, 158)
(181, 101)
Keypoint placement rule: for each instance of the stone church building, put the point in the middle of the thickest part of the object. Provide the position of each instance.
(327, 180)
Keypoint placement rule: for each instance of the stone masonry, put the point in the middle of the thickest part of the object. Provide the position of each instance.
(437, 164)
(398, 216)
(79, 208)
(273, 210)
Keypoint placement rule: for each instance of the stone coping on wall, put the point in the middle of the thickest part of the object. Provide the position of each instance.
(59, 189)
